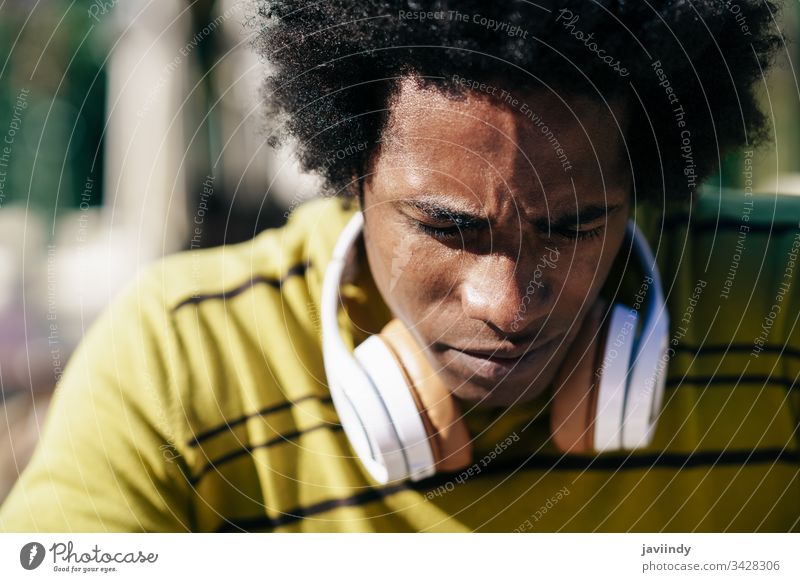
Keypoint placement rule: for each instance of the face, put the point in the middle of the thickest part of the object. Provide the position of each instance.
(488, 238)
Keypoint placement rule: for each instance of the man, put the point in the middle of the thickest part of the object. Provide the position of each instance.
(497, 154)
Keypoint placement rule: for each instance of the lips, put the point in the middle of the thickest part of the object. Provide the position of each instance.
(497, 355)
(494, 366)
(508, 352)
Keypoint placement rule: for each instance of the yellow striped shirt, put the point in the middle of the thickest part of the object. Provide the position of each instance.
(198, 402)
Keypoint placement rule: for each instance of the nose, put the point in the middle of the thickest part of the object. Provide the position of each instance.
(504, 296)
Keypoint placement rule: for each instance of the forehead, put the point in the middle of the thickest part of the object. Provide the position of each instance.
(533, 142)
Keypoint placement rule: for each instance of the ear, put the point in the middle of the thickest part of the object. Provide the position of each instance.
(576, 384)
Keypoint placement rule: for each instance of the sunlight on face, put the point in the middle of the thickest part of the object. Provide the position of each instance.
(484, 241)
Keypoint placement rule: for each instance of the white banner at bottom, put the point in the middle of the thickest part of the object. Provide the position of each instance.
(400, 557)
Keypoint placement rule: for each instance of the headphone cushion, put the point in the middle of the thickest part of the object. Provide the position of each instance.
(440, 412)
(575, 386)
(615, 378)
(405, 433)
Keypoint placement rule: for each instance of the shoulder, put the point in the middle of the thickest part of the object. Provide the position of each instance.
(732, 282)
(241, 322)
(738, 252)
(269, 259)
(730, 278)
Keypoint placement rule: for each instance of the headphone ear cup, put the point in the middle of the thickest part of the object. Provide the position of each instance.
(575, 387)
(615, 378)
(440, 413)
(405, 445)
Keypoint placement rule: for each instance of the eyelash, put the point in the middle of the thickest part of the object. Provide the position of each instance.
(448, 233)
(452, 232)
(586, 234)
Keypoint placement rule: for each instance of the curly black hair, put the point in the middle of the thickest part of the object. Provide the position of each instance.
(687, 71)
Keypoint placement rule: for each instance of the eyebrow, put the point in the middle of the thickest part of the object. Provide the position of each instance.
(442, 212)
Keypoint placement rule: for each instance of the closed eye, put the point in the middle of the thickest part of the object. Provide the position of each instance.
(455, 232)
(573, 234)
(446, 233)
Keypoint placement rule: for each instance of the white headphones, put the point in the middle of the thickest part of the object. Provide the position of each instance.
(403, 423)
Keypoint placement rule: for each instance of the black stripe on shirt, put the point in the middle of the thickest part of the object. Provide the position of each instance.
(708, 349)
(294, 271)
(247, 449)
(721, 380)
(609, 462)
(300, 513)
(229, 425)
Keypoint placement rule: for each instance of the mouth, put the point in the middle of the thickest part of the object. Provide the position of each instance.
(496, 365)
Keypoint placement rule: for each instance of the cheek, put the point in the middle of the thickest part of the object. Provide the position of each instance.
(579, 280)
(379, 243)
(582, 276)
(414, 279)
(397, 261)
